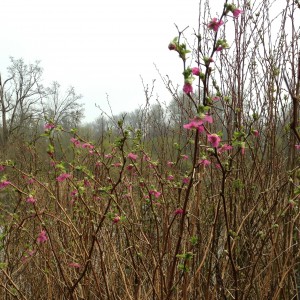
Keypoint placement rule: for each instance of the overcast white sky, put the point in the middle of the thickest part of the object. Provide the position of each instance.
(99, 47)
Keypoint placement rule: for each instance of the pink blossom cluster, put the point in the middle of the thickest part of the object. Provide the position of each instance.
(30, 199)
(179, 211)
(49, 126)
(116, 219)
(155, 193)
(215, 24)
(198, 123)
(132, 156)
(4, 183)
(63, 177)
(42, 237)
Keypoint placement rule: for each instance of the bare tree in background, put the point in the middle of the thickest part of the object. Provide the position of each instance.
(19, 97)
(62, 108)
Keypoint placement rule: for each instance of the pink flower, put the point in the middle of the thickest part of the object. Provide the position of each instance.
(108, 156)
(214, 139)
(197, 122)
(48, 126)
(2, 168)
(178, 211)
(220, 48)
(185, 180)
(86, 183)
(132, 156)
(204, 162)
(30, 252)
(214, 24)
(4, 184)
(30, 181)
(87, 145)
(170, 164)
(170, 178)
(74, 265)
(146, 158)
(117, 164)
(216, 98)
(75, 141)
(224, 148)
(196, 71)
(297, 147)
(172, 46)
(185, 157)
(155, 193)
(130, 167)
(42, 238)
(255, 133)
(63, 176)
(236, 12)
(30, 199)
(116, 219)
(188, 88)
(207, 118)
(74, 193)
(52, 163)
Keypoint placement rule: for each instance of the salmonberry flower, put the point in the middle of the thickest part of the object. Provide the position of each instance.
(255, 133)
(42, 237)
(214, 139)
(297, 147)
(236, 12)
(197, 122)
(196, 71)
(170, 178)
(170, 164)
(243, 148)
(232, 8)
(116, 219)
(63, 177)
(224, 148)
(187, 88)
(214, 24)
(48, 126)
(155, 193)
(74, 265)
(4, 183)
(117, 164)
(76, 142)
(204, 162)
(185, 180)
(132, 156)
(146, 157)
(30, 181)
(179, 211)
(87, 146)
(30, 199)
(172, 46)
